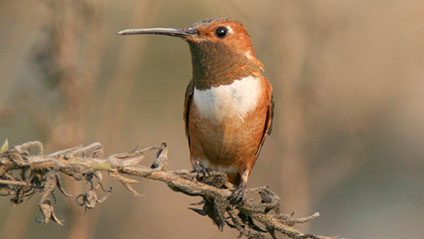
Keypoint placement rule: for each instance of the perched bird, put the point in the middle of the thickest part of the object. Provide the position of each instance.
(228, 106)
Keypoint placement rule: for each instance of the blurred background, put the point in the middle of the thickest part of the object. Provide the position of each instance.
(348, 132)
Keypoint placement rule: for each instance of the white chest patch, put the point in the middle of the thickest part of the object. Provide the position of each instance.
(235, 100)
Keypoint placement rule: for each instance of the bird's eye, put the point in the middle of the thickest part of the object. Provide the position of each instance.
(221, 32)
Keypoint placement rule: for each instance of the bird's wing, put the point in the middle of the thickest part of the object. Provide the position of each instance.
(269, 117)
(187, 103)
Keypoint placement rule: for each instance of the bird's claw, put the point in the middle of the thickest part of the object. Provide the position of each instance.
(237, 196)
(201, 172)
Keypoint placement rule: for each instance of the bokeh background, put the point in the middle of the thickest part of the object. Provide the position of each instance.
(348, 131)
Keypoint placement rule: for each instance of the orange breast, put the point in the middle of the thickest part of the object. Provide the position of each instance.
(229, 143)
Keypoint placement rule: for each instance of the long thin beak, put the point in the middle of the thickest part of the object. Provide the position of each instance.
(176, 32)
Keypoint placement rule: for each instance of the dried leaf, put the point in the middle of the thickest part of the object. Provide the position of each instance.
(4, 147)
(198, 211)
(132, 190)
(49, 186)
(48, 213)
(161, 159)
(90, 199)
(60, 187)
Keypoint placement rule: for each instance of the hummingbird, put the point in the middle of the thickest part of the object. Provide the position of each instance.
(228, 106)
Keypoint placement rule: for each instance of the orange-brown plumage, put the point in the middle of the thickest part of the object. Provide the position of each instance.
(228, 103)
(231, 143)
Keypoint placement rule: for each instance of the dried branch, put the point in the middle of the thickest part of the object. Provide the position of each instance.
(25, 171)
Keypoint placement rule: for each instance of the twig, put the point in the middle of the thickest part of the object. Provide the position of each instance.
(257, 217)
(12, 182)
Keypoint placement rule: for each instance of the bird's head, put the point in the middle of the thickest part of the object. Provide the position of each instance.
(220, 47)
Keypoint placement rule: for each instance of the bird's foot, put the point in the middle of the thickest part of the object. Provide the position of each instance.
(237, 196)
(201, 172)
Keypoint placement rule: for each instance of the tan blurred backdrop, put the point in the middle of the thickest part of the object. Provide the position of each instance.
(349, 125)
